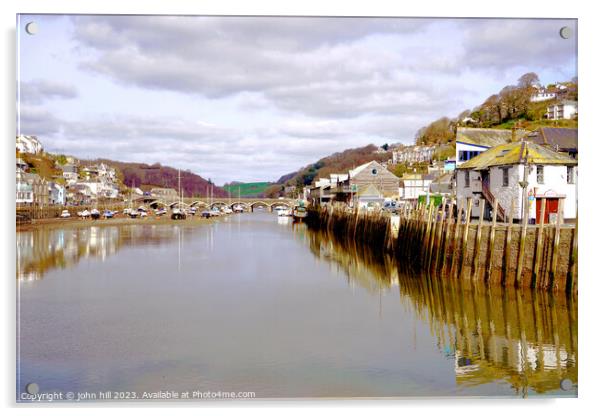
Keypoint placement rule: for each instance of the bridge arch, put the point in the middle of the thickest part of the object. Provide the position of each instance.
(178, 204)
(242, 204)
(281, 204)
(199, 204)
(157, 203)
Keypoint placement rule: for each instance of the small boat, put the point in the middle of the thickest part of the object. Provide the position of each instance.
(282, 211)
(178, 214)
(65, 214)
(227, 210)
(238, 209)
(299, 212)
(160, 212)
(206, 214)
(108, 214)
(95, 214)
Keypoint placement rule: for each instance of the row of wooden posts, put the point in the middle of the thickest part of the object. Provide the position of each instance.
(439, 241)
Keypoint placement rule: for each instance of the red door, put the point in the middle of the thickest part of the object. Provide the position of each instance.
(551, 208)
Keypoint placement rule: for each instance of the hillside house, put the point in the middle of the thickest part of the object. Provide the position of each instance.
(543, 94)
(564, 110)
(413, 154)
(499, 174)
(29, 144)
(471, 142)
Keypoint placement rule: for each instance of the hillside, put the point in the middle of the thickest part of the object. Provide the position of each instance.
(510, 107)
(148, 176)
(246, 190)
(340, 162)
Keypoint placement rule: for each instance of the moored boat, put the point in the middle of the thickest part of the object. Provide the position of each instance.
(299, 212)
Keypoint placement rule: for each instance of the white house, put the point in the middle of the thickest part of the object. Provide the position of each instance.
(543, 94)
(414, 185)
(471, 142)
(29, 144)
(24, 188)
(499, 174)
(564, 110)
(56, 194)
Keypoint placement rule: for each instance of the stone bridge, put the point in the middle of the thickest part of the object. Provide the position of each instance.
(248, 204)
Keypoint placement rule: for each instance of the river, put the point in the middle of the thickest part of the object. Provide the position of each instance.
(252, 304)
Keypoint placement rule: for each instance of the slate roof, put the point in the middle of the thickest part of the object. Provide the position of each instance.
(562, 139)
(518, 153)
(487, 137)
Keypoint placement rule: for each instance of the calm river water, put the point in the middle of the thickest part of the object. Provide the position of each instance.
(253, 304)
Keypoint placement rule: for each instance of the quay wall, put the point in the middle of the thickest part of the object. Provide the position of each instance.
(447, 247)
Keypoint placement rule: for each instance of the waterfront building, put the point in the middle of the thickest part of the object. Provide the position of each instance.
(471, 142)
(56, 194)
(443, 185)
(24, 194)
(370, 198)
(501, 172)
(167, 194)
(414, 185)
(31, 189)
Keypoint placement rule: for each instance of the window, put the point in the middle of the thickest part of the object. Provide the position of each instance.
(570, 174)
(467, 179)
(540, 178)
(505, 179)
(374, 171)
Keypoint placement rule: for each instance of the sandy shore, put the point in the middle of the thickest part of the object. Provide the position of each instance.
(116, 221)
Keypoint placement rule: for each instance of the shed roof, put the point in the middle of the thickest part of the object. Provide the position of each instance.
(486, 137)
(518, 153)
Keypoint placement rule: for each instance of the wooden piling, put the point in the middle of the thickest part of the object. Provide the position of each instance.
(427, 232)
(465, 236)
(438, 237)
(508, 243)
(454, 251)
(571, 283)
(447, 241)
(491, 242)
(539, 248)
(521, 247)
(553, 271)
(477, 250)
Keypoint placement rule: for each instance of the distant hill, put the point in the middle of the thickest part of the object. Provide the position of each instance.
(340, 162)
(251, 189)
(148, 176)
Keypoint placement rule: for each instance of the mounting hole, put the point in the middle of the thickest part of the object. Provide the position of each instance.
(566, 384)
(566, 32)
(31, 28)
(32, 388)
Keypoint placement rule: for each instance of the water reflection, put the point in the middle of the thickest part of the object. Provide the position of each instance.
(42, 250)
(525, 338)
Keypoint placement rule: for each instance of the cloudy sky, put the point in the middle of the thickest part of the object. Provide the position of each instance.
(253, 98)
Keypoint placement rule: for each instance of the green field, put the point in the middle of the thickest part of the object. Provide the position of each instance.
(247, 189)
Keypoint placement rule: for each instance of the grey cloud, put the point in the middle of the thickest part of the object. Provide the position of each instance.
(36, 121)
(505, 43)
(40, 90)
